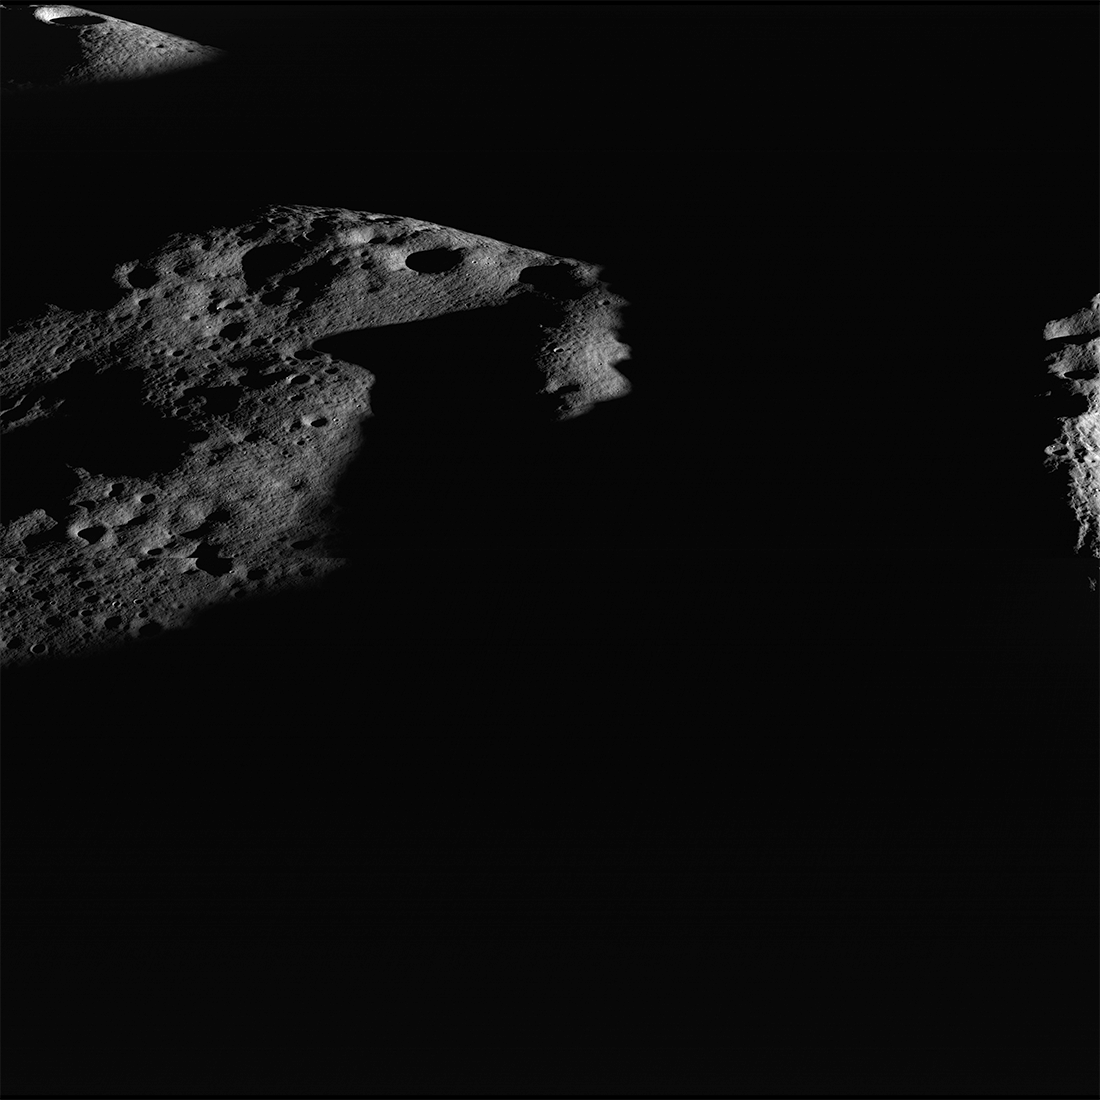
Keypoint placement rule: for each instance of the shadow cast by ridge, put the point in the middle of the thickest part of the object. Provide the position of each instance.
(33, 52)
(463, 448)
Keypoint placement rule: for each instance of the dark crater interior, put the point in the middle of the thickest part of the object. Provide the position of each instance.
(98, 420)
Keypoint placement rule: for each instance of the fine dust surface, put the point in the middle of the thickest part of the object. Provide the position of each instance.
(266, 401)
(57, 46)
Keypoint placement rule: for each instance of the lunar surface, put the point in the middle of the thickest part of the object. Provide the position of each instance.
(56, 46)
(189, 445)
(1077, 449)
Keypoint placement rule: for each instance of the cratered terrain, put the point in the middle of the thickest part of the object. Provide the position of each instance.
(209, 437)
(57, 46)
(1076, 364)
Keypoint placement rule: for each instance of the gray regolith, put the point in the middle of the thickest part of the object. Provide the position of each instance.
(56, 47)
(180, 449)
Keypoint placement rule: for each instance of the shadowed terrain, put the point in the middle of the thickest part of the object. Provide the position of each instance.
(33, 52)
